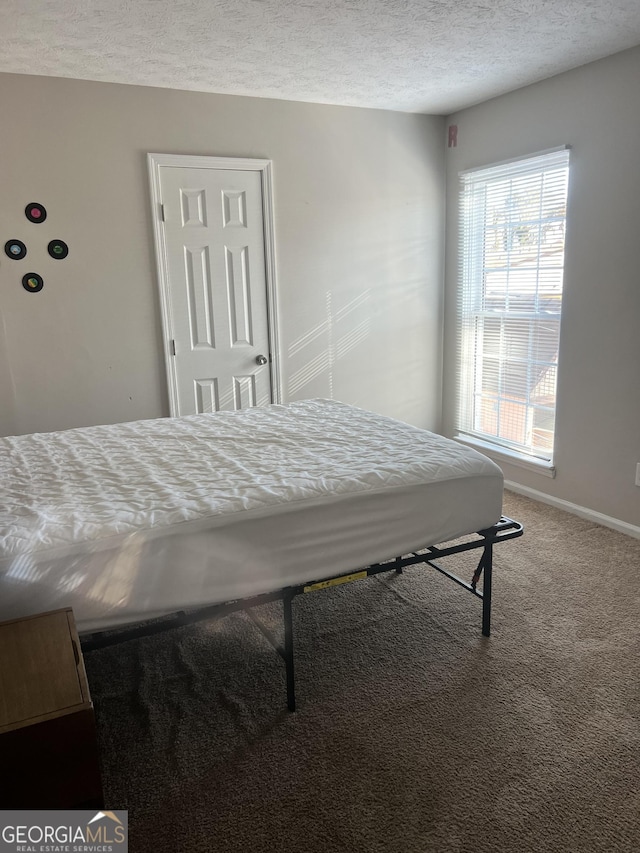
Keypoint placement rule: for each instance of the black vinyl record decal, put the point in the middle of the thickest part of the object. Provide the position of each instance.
(15, 249)
(32, 282)
(58, 249)
(35, 212)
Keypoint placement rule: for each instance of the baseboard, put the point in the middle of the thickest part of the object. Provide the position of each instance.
(575, 509)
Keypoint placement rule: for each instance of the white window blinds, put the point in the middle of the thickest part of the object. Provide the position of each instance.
(510, 301)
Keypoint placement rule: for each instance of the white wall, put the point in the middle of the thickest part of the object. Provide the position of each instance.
(359, 199)
(596, 110)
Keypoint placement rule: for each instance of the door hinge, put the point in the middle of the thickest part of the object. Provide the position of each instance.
(173, 347)
(162, 212)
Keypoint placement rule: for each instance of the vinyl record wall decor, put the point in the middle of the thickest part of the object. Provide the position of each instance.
(17, 250)
(58, 249)
(32, 282)
(35, 212)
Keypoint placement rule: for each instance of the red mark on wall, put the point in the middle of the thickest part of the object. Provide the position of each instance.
(453, 135)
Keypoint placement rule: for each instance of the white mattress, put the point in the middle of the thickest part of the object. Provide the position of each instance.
(129, 521)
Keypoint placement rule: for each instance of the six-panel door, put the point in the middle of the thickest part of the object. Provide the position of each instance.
(215, 262)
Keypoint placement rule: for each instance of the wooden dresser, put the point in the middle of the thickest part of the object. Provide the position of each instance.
(47, 725)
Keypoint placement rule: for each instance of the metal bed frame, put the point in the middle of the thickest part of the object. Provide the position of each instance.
(504, 529)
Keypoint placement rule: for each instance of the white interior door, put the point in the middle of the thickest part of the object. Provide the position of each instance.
(213, 274)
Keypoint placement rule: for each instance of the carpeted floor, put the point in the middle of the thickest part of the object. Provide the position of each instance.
(413, 732)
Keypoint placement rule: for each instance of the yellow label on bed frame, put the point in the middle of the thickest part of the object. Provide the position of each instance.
(356, 576)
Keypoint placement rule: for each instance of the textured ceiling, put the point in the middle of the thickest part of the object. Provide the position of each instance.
(432, 56)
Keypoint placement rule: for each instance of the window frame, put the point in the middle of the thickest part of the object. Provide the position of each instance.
(473, 271)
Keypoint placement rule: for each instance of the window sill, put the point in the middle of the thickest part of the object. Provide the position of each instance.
(502, 454)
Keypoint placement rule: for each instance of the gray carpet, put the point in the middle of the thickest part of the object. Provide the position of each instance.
(413, 732)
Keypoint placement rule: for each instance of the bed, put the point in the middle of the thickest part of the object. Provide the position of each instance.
(128, 522)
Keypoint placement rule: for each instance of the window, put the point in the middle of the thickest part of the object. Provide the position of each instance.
(510, 300)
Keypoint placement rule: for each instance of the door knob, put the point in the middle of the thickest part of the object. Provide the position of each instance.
(261, 359)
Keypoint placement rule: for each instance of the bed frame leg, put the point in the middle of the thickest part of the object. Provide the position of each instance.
(288, 650)
(487, 559)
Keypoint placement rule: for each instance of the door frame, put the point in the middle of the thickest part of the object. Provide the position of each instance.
(265, 167)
